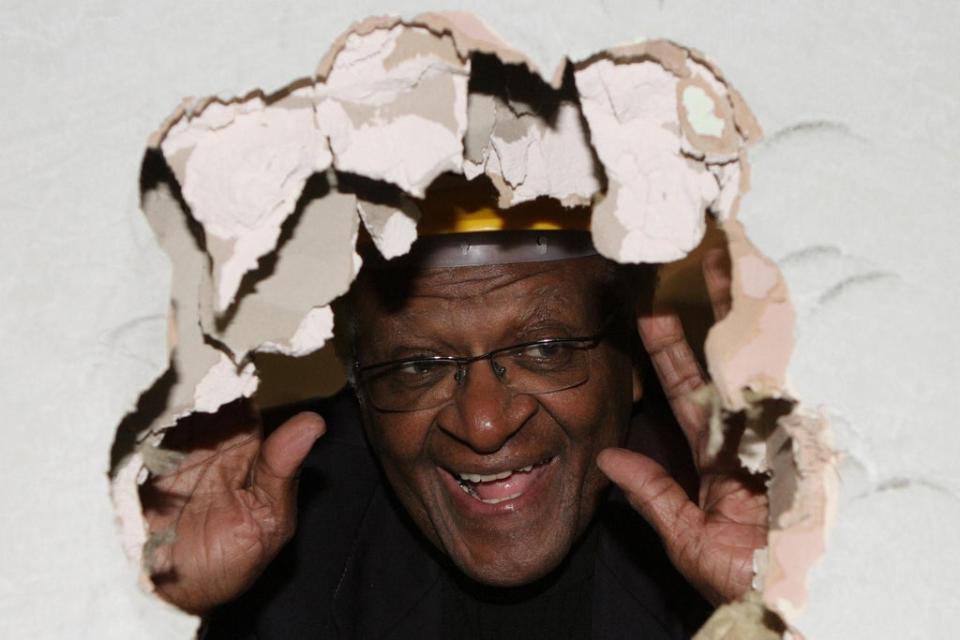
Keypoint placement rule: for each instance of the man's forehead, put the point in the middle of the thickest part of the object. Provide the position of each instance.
(566, 278)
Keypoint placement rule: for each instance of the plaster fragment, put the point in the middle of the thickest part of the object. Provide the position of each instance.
(706, 118)
(393, 227)
(750, 348)
(526, 156)
(126, 500)
(223, 383)
(733, 180)
(191, 122)
(473, 36)
(314, 264)
(243, 178)
(801, 514)
(701, 112)
(663, 168)
(758, 276)
(384, 95)
(657, 200)
(156, 459)
(191, 356)
(314, 331)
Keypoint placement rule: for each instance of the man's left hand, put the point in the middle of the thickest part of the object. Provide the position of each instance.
(710, 541)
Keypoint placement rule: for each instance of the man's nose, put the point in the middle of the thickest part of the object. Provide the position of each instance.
(484, 413)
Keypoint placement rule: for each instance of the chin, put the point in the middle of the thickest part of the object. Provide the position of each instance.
(516, 542)
(507, 572)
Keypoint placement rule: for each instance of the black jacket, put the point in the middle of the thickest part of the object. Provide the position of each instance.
(358, 568)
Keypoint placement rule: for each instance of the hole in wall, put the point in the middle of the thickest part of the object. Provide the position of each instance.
(259, 202)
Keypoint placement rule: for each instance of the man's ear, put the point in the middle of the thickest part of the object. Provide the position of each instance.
(637, 382)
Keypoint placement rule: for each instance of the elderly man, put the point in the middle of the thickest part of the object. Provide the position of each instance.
(495, 377)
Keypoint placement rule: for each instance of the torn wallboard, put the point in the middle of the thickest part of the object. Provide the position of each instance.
(528, 138)
(274, 189)
(669, 145)
(803, 493)
(392, 225)
(242, 167)
(750, 347)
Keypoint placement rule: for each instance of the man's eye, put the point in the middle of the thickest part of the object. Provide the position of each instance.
(545, 353)
(419, 369)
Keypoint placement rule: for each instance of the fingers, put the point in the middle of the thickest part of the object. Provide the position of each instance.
(276, 468)
(655, 495)
(676, 364)
(678, 371)
(673, 359)
(718, 278)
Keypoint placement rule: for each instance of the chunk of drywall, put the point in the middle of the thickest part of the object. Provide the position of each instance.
(667, 157)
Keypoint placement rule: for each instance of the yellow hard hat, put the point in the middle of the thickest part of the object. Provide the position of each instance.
(470, 207)
(461, 224)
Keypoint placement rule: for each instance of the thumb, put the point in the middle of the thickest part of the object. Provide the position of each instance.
(654, 494)
(275, 471)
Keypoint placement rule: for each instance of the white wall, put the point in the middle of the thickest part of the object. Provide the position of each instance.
(854, 192)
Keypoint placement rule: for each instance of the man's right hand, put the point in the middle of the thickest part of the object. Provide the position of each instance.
(230, 505)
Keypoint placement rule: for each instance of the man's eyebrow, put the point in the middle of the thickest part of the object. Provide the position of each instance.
(412, 343)
(552, 304)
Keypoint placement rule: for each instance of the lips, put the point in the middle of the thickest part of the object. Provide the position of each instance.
(502, 486)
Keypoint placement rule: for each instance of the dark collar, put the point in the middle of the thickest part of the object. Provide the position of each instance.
(391, 583)
(637, 591)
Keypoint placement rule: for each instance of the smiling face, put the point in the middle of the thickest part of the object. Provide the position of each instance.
(502, 482)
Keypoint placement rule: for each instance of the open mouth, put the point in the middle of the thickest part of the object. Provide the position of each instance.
(500, 487)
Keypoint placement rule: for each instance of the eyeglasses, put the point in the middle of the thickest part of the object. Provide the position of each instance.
(413, 384)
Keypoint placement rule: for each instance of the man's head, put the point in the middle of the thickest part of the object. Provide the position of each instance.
(535, 452)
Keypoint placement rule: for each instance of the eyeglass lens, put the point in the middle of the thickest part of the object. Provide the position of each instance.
(535, 369)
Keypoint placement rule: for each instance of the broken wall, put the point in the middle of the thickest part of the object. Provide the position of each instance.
(850, 198)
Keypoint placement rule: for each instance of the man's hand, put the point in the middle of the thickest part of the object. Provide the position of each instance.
(711, 541)
(229, 507)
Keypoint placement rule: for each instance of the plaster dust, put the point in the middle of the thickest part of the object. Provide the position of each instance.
(852, 200)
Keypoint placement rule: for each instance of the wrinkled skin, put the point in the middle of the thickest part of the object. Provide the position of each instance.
(232, 501)
(488, 428)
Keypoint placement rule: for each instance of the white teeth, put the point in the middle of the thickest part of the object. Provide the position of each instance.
(476, 477)
(469, 482)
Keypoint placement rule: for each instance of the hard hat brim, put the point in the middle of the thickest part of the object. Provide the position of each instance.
(489, 248)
